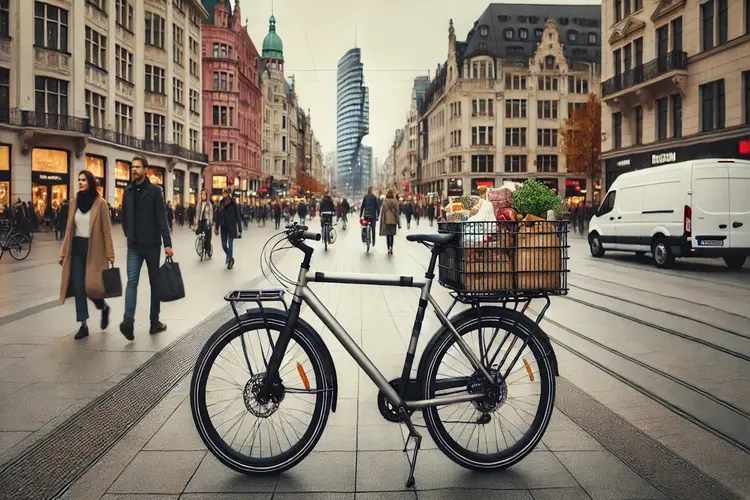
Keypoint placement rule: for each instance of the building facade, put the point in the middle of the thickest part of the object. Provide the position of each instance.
(352, 124)
(232, 103)
(494, 109)
(93, 85)
(670, 96)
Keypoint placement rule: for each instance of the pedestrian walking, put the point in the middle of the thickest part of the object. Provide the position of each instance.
(62, 220)
(302, 211)
(205, 218)
(229, 221)
(170, 214)
(431, 212)
(144, 222)
(277, 214)
(86, 252)
(191, 216)
(390, 219)
(408, 212)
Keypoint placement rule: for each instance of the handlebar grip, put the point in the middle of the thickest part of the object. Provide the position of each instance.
(307, 235)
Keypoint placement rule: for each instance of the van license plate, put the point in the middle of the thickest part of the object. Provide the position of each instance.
(711, 243)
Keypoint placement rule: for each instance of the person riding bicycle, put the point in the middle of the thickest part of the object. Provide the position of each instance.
(327, 205)
(345, 209)
(205, 216)
(370, 210)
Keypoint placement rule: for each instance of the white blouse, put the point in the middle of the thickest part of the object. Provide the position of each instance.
(82, 223)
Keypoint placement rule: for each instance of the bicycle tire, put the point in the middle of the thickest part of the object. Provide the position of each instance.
(325, 237)
(199, 247)
(313, 346)
(522, 328)
(17, 241)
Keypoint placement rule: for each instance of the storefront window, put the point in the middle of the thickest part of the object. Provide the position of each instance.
(477, 183)
(50, 179)
(575, 191)
(5, 199)
(97, 166)
(155, 175)
(550, 183)
(122, 178)
(193, 188)
(179, 182)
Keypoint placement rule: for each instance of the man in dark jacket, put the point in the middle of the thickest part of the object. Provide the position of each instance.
(370, 210)
(144, 222)
(228, 219)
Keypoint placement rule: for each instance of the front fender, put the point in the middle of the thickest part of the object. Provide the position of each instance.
(316, 339)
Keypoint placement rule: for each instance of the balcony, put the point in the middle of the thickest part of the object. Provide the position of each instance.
(163, 148)
(32, 119)
(672, 64)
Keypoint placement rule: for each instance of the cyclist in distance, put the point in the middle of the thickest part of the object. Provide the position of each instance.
(370, 210)
(205, 217)
(345, 209)
(327, 205)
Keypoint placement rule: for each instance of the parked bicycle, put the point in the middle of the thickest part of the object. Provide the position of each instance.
(267, 371)
(203, 246)
(18, 245)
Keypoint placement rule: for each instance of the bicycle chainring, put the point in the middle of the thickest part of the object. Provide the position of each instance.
(387, 409)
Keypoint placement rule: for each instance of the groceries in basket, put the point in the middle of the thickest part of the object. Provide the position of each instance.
(511, 241)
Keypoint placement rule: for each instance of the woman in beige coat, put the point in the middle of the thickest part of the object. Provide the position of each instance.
(390, 218)
(86, 252)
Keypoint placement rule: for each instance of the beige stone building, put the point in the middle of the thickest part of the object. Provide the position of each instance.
(494, 110)
(90, 85)
(676, 82)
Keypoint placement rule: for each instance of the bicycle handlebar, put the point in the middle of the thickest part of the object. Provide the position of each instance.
(309, 235)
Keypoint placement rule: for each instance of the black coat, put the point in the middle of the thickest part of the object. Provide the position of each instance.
(370, 207)
(228, 218)
(145, 223)
(327, 205)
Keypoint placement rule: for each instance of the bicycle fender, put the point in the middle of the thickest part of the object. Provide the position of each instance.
(471, 314)
(315, 338)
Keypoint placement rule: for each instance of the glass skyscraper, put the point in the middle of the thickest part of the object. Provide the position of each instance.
(352, 124)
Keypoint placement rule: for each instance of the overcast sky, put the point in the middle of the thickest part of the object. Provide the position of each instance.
(409, 36)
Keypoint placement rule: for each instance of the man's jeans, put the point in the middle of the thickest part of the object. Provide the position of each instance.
(135, 262)
(227, 243)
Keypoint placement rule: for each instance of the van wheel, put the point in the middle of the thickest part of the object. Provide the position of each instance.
(735, 261)
(595, 245)
(662, 254)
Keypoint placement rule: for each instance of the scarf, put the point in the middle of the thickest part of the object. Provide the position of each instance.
(84, 200)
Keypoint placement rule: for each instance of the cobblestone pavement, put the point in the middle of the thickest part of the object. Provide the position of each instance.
(619, 430)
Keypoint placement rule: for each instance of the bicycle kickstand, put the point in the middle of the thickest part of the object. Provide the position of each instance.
(413, 434)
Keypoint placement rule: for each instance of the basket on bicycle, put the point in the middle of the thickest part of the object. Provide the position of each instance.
(527, 258)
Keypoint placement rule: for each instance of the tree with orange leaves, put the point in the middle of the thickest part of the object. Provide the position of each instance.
(581, 142)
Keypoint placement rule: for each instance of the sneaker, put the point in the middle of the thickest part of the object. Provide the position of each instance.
(157, 327)
(231, 263)
(105, 317)
(82, 332)
(126, 328)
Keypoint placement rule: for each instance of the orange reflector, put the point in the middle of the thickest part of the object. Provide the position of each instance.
(306, 382)
(528, 369)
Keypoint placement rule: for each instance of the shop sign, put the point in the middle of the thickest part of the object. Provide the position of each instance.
(623, 163)
(50, 177)
(662, 158)
(745, 147)
(121, 183)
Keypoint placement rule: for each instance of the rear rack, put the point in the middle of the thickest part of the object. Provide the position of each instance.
(255, 296)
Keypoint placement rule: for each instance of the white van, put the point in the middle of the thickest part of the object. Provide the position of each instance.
(698, 208)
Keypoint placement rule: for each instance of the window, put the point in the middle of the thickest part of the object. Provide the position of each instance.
(618, 10)
(662, 114)
(95, 109)
(194, 101)
(123, 118)
(51, 96)
(178, 133)
(283, 122)
(549, 62)
(155, 79)
(747, 16)
(745, 94)
(546, 137)
(194, 69)
(515, 137)
(723, 7)
(547, 110)
(548, 83)
(220, 151)
(50, 27)
(626, 10)
(573, 106)
(155, 127)
(482, 136)
(639, 124)
(617, 129)
(223, 116)
(99, 4)
(617, 61)
(124, 64)
(707, 25)
(484, 30)
(4, 93)
(523, 33)
(155, 28)
(482, 163)
(216, 50)
(4, 18)
(572, 35)
(593, 39)
(456, 164)
(662, 42)
(515, 163)
(676, 115)
(178, 4)
(194, 139)
(712, 105)
(578, 85)
(178, 91)
(538, 32)
(546, 163)
(455, 138)
(515, 108)
(638, 5)
(96, 48)
(515, 82)
(178, 44)
(508, 33)
(608, 204)
(124, 14)
(638, 49)
(283, 143)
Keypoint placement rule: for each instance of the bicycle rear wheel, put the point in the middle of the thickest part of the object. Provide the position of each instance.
(239, 428)
(500, 429)
(19, 247)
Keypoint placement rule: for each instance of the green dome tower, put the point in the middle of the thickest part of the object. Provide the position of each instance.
(273, 47)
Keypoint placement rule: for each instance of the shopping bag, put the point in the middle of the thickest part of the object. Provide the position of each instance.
(170, 285)
(112, 283)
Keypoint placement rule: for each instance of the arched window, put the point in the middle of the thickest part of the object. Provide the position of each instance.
(549, 62)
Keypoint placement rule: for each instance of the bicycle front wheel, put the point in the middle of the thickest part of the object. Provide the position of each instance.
(19, 247)
(245, 432)
(502, 428)
(199, 246)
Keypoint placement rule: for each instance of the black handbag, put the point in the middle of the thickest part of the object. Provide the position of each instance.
(170, 285)
(112, 283)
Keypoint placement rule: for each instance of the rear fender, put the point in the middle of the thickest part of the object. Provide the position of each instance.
(470, 314)
(315, 338)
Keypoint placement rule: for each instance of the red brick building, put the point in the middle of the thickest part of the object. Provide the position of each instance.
(232, 102)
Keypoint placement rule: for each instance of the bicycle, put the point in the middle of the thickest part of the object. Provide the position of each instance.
(17, 244)
(203, 246)
(367, 235)
(327, 229)
(295, 368)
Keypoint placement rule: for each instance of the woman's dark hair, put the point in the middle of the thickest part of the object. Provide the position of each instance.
(389, 194)
(91, 181)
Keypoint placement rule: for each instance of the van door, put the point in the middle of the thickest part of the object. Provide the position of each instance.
(710, 205)
(739, 205)
(628, 216)
(606, 221)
